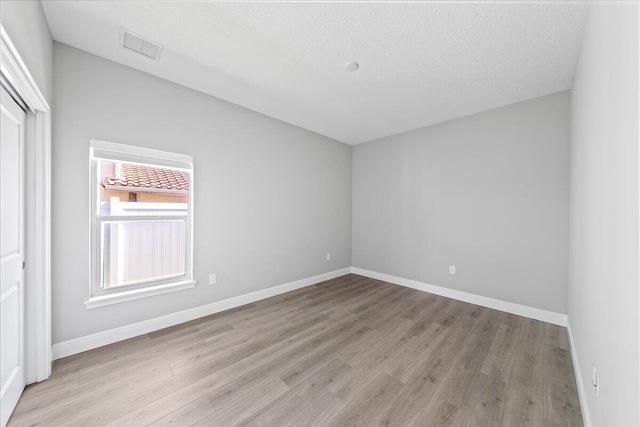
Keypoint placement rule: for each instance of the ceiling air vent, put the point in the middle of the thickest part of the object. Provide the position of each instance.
(145, 47)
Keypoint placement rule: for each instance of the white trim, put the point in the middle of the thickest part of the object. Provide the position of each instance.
(17, 73)
(638, 160)
(582, 394)
(509, 307)
(15, 70)
(100, 149)
(78, 345)
(134, 294)
(42, 263)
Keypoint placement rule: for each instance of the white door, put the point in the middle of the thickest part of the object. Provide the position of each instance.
(12, 357)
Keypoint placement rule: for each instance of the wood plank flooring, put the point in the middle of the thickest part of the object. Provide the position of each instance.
(352, 351)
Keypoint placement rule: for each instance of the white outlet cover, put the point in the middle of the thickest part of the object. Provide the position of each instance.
(212, 279)
(452, 269)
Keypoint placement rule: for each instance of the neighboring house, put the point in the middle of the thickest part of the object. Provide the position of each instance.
(137, 183)
(136, 252)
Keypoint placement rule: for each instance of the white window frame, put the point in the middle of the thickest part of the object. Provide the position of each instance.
(103, 150)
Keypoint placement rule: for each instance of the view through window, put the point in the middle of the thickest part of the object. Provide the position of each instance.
(143, 210)
(141, 222)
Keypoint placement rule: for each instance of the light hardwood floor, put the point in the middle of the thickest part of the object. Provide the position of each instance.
(350, 351)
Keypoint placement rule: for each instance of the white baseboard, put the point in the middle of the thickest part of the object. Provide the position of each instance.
(89, 342)
(584, 405)
(509, 307)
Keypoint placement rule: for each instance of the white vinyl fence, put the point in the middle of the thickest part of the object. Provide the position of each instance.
(138, 249)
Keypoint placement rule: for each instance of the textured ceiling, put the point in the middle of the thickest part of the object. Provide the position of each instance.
(420, 63)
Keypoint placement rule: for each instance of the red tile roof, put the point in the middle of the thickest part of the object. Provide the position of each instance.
(148, 178)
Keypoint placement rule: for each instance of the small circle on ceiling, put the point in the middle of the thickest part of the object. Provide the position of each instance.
(352, 66)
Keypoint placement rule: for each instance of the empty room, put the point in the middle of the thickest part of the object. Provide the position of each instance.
(320, 213)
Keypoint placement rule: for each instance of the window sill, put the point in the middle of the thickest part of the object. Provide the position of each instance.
(116, 298)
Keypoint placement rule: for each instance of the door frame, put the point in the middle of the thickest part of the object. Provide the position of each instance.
(38, 269)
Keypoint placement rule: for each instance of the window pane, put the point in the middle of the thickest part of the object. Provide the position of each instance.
(131, 189)
(135, 252)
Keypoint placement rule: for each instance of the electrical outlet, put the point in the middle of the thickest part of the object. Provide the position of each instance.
(452, 269)
(213, 279)
(595, 378)
(328, 257)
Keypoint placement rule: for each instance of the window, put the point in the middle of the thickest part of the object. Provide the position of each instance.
(141, 222)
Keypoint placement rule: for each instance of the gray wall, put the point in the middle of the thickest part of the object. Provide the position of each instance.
(27, 28)
(270, 200)
(603, 289)
(487, 193)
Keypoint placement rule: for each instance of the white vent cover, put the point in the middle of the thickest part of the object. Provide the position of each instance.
(143, 46)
